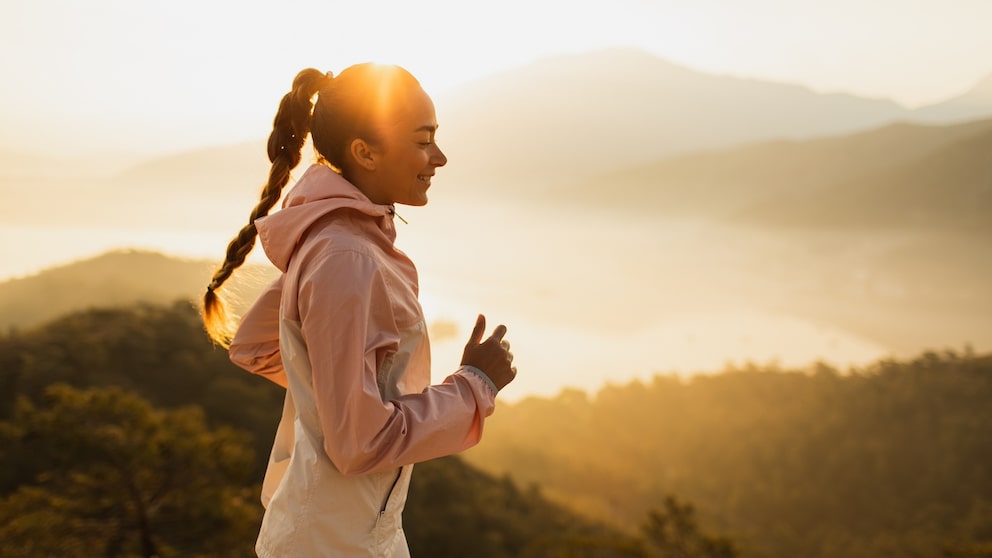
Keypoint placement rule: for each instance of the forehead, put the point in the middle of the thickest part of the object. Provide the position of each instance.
(415, 111)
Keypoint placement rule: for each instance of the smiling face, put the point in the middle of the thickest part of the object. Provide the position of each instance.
(406, 155)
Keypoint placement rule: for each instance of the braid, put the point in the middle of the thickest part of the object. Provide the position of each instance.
(289, 132)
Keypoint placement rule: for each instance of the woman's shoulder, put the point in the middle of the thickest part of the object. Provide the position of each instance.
(337, 233)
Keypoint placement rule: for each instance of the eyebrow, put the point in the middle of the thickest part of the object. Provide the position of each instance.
(427, 128)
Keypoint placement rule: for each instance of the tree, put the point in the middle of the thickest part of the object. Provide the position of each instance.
(454, 510)
(105, 474)
(158, 352)
(674, 533)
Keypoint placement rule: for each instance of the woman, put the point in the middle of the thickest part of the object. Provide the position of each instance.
(342, 328)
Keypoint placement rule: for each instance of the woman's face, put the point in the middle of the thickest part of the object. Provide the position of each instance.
(406, 155)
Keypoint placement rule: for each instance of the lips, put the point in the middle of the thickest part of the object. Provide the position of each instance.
(425, 178)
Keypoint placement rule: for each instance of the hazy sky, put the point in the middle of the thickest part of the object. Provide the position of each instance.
(161, 76)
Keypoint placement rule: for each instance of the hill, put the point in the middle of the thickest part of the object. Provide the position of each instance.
(887, 459)
(909, 176)
(947, 189)
(160, 357)
(116, 279)
(891, 459)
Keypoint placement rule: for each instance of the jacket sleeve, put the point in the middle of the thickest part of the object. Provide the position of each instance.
(347, 324)
(255, 346)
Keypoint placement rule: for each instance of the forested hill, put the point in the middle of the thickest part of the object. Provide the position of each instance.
(124, 433)
(894, 459)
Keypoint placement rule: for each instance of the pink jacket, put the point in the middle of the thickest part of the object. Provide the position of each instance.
(343, 330)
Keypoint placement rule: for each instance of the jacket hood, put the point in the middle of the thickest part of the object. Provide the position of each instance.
(319, 191)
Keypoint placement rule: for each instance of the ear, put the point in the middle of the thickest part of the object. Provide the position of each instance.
(362, 153)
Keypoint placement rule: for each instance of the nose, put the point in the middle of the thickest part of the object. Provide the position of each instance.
(438, 158)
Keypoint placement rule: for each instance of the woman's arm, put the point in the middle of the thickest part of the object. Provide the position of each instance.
(346, 319)
(255, 346)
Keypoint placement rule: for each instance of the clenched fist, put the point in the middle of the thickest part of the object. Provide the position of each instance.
(492, 356)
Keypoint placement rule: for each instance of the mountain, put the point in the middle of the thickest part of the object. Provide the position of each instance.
(524, 132)
(562, 118)
(883, 233)
(975, 103)
(946, 189)
(913, 176)
(115, 279)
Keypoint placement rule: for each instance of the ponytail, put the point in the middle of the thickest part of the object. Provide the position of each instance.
(289, 132)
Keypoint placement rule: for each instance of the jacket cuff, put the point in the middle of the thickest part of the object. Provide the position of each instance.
(481, 374)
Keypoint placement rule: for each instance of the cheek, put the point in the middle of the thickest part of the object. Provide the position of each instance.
(418, 161)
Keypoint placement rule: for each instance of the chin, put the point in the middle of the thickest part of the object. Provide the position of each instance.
(417, 200)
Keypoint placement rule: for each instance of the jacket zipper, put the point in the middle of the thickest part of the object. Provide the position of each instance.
(389, 495)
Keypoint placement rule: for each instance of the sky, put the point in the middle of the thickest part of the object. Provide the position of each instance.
(156, 77)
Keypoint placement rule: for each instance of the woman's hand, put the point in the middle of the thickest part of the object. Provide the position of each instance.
(492, 356)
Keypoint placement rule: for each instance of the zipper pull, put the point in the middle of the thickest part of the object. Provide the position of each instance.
(392, 211)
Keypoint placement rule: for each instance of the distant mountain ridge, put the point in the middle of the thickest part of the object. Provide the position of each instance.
(946, 190)
(972, 104)
(914, 176)
(558, 121)
(562, 119)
